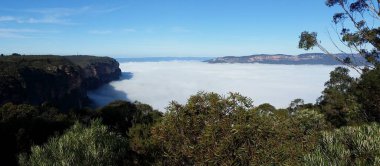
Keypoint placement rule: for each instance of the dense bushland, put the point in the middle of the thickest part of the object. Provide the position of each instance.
(208, 129)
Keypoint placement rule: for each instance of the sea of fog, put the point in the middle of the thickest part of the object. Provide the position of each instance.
(158, 83)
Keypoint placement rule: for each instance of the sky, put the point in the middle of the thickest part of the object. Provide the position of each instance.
(156, 28)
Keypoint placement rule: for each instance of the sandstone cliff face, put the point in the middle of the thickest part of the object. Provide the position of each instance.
(56, 80)
(98, 74)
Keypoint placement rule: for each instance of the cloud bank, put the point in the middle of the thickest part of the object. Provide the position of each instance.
(158, 83)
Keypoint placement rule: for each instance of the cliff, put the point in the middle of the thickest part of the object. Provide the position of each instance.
(62, 81)
(312, 58)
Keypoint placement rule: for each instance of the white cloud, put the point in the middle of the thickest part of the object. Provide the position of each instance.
(108, 10)
(158, 83)
(100, 32)
(46, 20)
(15, 33)
(7, 18)
(18, 30)
(59, 11)
(21, 33)
(129, 30)
(11, 35)
(61, 16)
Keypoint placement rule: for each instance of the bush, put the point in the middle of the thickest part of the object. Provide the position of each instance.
(22, 126)
(356, 145)
(80, 145)
(214, 130)
(133, 121)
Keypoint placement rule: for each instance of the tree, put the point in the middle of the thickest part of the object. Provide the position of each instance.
(266, 108)
(357, 25)
(338, 101)
(356, 35)
(15, 54)
(80, 145)
(368, 94)
(295, 105)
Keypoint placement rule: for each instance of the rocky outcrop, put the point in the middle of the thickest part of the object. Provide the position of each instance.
(62, 81)
(97, 71)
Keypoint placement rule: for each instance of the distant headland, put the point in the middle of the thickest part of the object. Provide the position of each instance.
(302, 59)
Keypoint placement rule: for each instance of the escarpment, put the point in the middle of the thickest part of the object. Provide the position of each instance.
(62, 81)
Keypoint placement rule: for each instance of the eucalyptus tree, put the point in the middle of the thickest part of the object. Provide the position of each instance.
(357, 25)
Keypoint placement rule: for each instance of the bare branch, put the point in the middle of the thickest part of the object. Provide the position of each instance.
(357, 69)
(374, 12)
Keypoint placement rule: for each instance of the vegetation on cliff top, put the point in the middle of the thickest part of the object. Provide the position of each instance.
(62, 81)
(12, 64)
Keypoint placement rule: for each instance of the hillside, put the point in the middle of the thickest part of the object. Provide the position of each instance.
(312, 58)
(62, 81)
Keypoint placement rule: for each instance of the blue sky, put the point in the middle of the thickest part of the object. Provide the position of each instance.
(140, 28)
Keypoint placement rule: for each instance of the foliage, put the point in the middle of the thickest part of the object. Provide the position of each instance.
(354, 145)
(47, 62)
(368, 93)
(295, 105)
(356, 27)
(21, 126)
(266, 108)
(122, 115)
(133, 121)
(338, 101)
(80, 145)
(216, 130)
(308, 40)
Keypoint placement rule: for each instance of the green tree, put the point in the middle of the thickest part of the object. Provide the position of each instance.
(338, 101)
(80, 145)
(266, 108)
(296, 104)
(368, 94)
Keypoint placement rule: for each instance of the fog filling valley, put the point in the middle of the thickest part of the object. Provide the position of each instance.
(158, 83)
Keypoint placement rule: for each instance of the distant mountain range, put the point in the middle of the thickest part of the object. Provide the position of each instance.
(162, 59)
(302, 59)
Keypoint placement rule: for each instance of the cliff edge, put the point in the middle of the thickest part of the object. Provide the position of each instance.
(62, 81)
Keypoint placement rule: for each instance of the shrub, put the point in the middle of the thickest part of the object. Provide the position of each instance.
(80, 145)
(355, 145)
